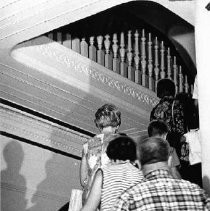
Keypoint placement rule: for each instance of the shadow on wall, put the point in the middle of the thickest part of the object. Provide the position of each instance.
(61, 175)
(13, 184)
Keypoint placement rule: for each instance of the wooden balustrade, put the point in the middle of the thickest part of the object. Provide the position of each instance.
(136, 55)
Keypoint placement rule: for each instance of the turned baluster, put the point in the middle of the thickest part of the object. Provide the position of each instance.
(150, 65)
(59, 37)
(156, 63)
(162, 61)
(76, 45)
(168, 64)
(116, 62)
(129, 58)
(67, 40)
(108, 57)
(92, 50)
(84, 48)
(143, 59)
(137, 59)
(50, 35)
(100, 52)
(180, 80)
(175, 74)
(123, 65)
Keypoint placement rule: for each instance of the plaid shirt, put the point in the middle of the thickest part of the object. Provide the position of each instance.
(159, 191)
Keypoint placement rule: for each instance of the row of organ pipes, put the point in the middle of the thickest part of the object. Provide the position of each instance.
(143, 60)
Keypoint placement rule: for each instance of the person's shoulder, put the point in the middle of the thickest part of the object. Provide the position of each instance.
(136, 188)
(99, 173)
(110, 136)
(135, 191)
(164, 103)
(94, 141)
(189, 186)
(161, 109)
(134, 171)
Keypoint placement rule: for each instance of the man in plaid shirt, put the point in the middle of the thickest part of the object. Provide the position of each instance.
(159, 190)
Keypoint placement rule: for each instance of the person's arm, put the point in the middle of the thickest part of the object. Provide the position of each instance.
(173, 162)
(94, 196)
(175, 173)
(84, 167)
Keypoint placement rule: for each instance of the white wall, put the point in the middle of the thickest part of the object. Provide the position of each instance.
(33, 176)
(184, 41)
(185, 38)
(202, 33)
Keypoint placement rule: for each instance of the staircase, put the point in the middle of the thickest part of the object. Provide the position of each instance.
(138, 55)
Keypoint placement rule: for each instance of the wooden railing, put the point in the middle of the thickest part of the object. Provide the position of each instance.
(140, 57)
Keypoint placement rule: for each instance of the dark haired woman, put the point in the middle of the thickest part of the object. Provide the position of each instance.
(110, 181)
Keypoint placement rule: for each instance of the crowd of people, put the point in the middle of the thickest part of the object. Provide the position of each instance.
(118, 173)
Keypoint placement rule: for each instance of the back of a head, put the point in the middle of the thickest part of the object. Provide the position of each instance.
(165, 87)
(107, 115)
(122, 148)
(153, 150)
(157, 128)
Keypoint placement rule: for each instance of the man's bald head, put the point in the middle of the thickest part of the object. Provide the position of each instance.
(153, 150)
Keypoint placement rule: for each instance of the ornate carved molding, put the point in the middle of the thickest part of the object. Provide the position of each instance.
(74, 63)
(41, 131)
(78, 64)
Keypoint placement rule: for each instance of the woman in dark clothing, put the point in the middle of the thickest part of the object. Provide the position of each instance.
(170, 110)
(180, 115)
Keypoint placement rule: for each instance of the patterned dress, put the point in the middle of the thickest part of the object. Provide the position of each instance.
(96, 157)
(171, 111)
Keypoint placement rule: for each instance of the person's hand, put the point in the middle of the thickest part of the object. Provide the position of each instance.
(183, 139)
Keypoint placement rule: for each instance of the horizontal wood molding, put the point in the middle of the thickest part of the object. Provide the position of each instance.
(41, 131)
(40, 194)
